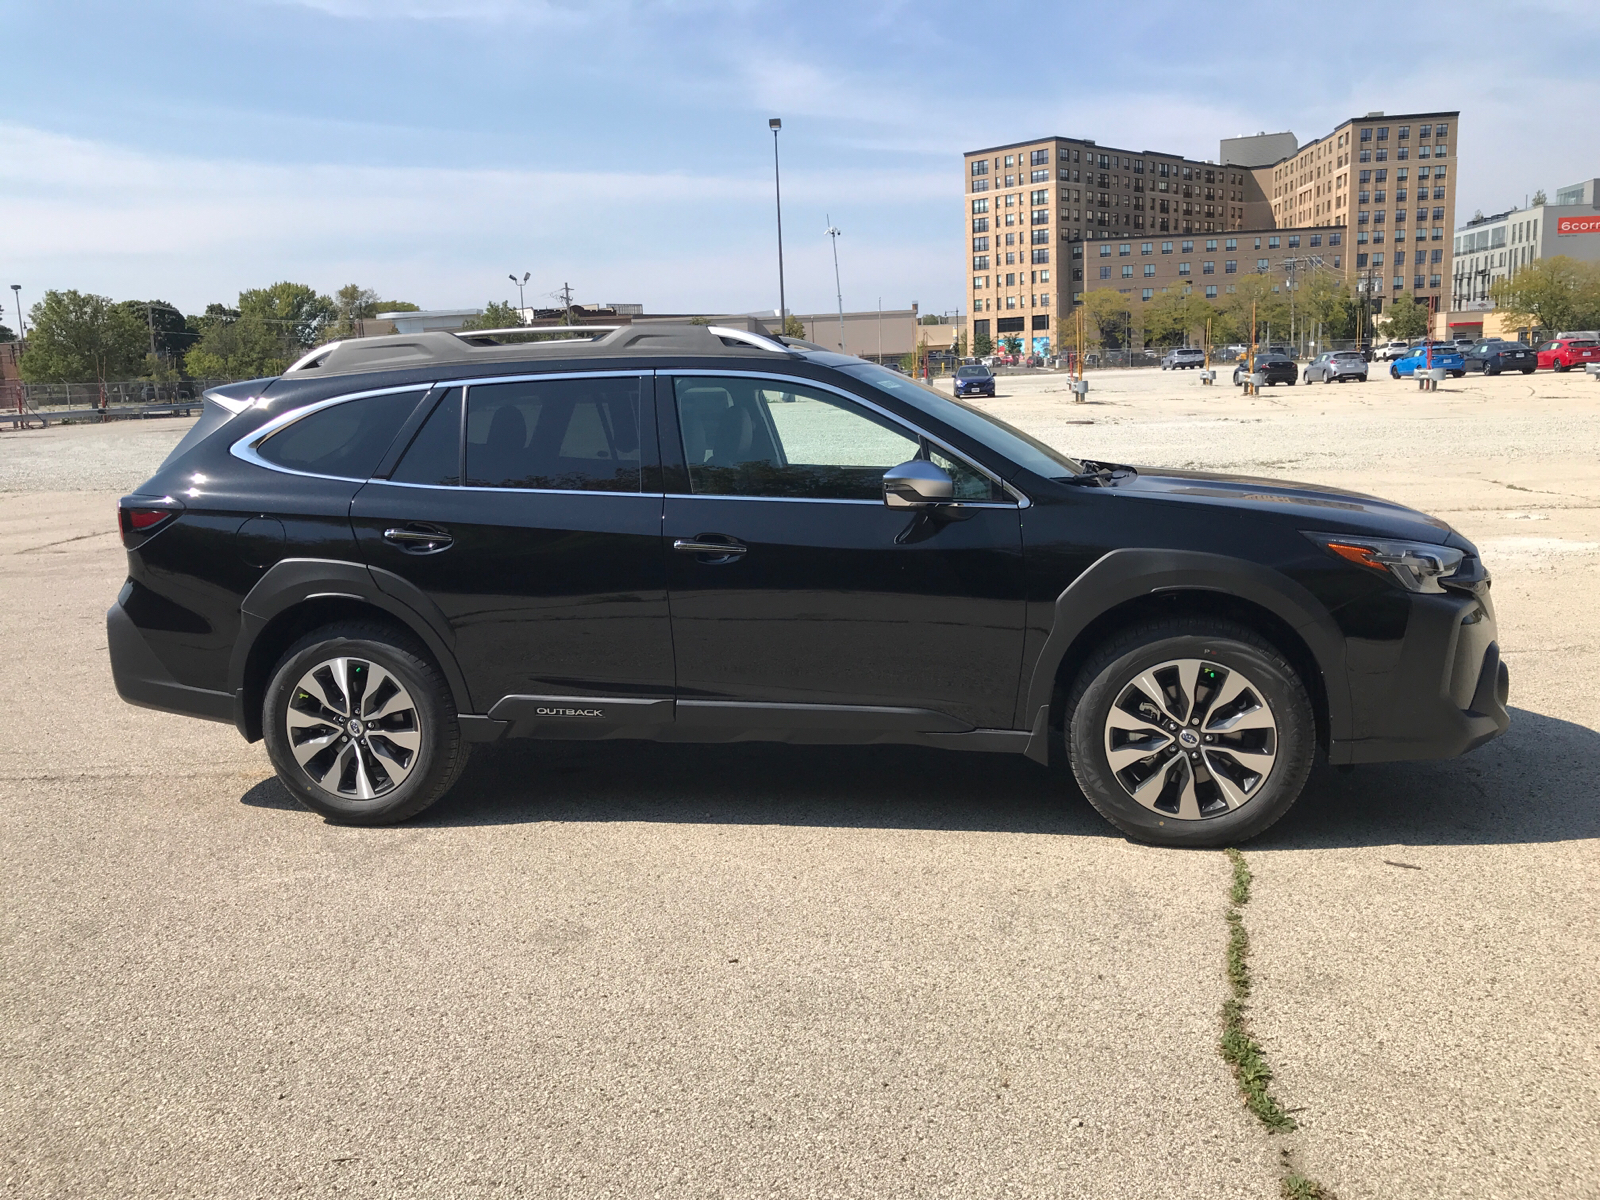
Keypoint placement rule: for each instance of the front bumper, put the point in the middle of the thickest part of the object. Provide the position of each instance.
(1440, 692)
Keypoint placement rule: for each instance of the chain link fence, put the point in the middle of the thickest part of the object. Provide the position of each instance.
(65, 398)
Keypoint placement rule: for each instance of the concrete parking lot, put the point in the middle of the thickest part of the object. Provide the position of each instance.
(620, 970)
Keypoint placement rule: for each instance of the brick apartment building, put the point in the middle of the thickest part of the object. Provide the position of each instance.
(1044, 216)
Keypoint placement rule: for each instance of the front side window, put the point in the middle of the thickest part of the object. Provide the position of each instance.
(783, 439)
(556, 434)
(345, 440)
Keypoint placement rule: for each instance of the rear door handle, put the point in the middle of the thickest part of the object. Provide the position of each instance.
(418, 538)
(712, 552)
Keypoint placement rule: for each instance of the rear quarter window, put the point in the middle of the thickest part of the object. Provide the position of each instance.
(346, 440)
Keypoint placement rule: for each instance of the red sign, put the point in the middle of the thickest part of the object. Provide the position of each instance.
(1567, 226)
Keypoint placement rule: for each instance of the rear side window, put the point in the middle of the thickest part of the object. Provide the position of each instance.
(434, 456)
(345, 440)
(556, 434)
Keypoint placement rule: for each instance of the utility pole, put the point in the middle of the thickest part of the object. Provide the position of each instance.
(16, 297)
(776, 124)
(838, 292)
(566, 300)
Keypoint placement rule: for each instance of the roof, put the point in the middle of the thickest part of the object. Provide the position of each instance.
(400, 351)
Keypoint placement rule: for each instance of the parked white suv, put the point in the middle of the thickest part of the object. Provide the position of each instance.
(1393, 350)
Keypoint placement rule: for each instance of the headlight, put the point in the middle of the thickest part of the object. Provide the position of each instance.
(1416, 566)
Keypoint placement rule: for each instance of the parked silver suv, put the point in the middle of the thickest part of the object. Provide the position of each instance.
(1183, 356)
(1335, 366)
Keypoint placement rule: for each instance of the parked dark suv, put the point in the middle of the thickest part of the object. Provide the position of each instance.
(406, 545)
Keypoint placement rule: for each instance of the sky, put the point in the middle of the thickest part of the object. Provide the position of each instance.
(427, 149)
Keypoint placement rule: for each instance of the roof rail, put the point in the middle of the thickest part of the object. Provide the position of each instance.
(758, 340)
(465, 334)
(314, 358)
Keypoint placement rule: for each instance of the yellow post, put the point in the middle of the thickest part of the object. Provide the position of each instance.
(1251, 365)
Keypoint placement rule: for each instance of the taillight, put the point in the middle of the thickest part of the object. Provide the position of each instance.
(137, 518)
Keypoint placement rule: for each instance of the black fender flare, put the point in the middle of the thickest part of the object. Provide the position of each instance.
(293, 581)
(1123, 575)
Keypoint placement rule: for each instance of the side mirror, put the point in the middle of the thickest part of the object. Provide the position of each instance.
(916, 484)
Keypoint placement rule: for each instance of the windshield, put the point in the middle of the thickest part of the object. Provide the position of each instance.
(1022, 449)
(972, 373)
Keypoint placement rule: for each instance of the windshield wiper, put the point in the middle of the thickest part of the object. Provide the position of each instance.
(1100, 474)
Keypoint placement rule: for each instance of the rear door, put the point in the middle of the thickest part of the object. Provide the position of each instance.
(529, 510)
(799, 597)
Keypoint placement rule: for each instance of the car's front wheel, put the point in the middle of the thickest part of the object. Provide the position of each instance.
(1394, 372)
(360, 725)
(1190, 732)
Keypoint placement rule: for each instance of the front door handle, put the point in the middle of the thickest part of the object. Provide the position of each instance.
(708, 551)
(418, 538)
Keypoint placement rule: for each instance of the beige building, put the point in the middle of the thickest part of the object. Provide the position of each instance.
(1035, 211)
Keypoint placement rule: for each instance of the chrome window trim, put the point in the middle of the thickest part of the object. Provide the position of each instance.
(1022, 499)
(245, 448)
(456, 487)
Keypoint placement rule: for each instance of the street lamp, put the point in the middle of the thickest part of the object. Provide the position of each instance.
(833, 232)
(775, 124)
(522, 304)
(16, 296)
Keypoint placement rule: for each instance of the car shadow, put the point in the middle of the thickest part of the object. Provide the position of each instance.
(1538, 783)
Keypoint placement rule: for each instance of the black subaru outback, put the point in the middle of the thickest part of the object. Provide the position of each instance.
(406, 545)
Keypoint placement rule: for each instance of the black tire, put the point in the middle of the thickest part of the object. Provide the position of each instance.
(1394, 373)
(1290, 381)
(1490, 369)
(1111, 670)
(434, 765)
(1527, 370)
(1561, 367)
(1457, 374)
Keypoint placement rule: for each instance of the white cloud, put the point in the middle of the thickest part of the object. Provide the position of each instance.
(110, 220)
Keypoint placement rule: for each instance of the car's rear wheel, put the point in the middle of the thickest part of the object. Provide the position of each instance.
(1560, 366)
(360, 725)
(1527, 370)
(1190, 732)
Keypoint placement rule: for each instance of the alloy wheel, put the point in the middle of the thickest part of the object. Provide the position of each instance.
(1191, 739)
(353, 728)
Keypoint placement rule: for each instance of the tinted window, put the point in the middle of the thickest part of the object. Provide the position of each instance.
(570, 434)
(1021, 448)
(434, 455)
(346, 440)
(756, 437)
(972, 372)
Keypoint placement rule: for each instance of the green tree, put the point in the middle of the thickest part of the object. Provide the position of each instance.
(794, 327)
(1112, 319)
(1174, 316)
(982, 345)
(76, 337)
(1405, 318)
(215, 314)
(170, 328)
(495, 315)
(1552, 293)
(5, 333)
(301, 315)
(384, 306)
(352, 304)
(1254, 293)
(1013, 344)
(244, 348)
(1538, 198)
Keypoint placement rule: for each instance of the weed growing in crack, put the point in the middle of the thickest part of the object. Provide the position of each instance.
(1239, 1047)
(1298, 1187)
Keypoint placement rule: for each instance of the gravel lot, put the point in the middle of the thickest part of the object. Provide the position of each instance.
(611, 971)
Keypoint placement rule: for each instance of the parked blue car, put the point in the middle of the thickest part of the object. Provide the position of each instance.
(1417, 359)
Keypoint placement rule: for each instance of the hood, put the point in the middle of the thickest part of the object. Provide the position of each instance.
(1310, 505)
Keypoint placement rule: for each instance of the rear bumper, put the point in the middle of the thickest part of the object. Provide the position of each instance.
(142, 679)
(1445, 695)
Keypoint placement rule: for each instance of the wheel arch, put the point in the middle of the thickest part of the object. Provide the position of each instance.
(298, 595)
(1125, 587)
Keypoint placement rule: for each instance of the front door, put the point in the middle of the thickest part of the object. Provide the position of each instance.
(521, 509)
(793, 584)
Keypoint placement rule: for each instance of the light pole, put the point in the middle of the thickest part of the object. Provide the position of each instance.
(833, 232)
(522, 304)
(16, 296)
(775, 124)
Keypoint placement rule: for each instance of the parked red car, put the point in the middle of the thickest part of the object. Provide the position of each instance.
(1565, 353)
